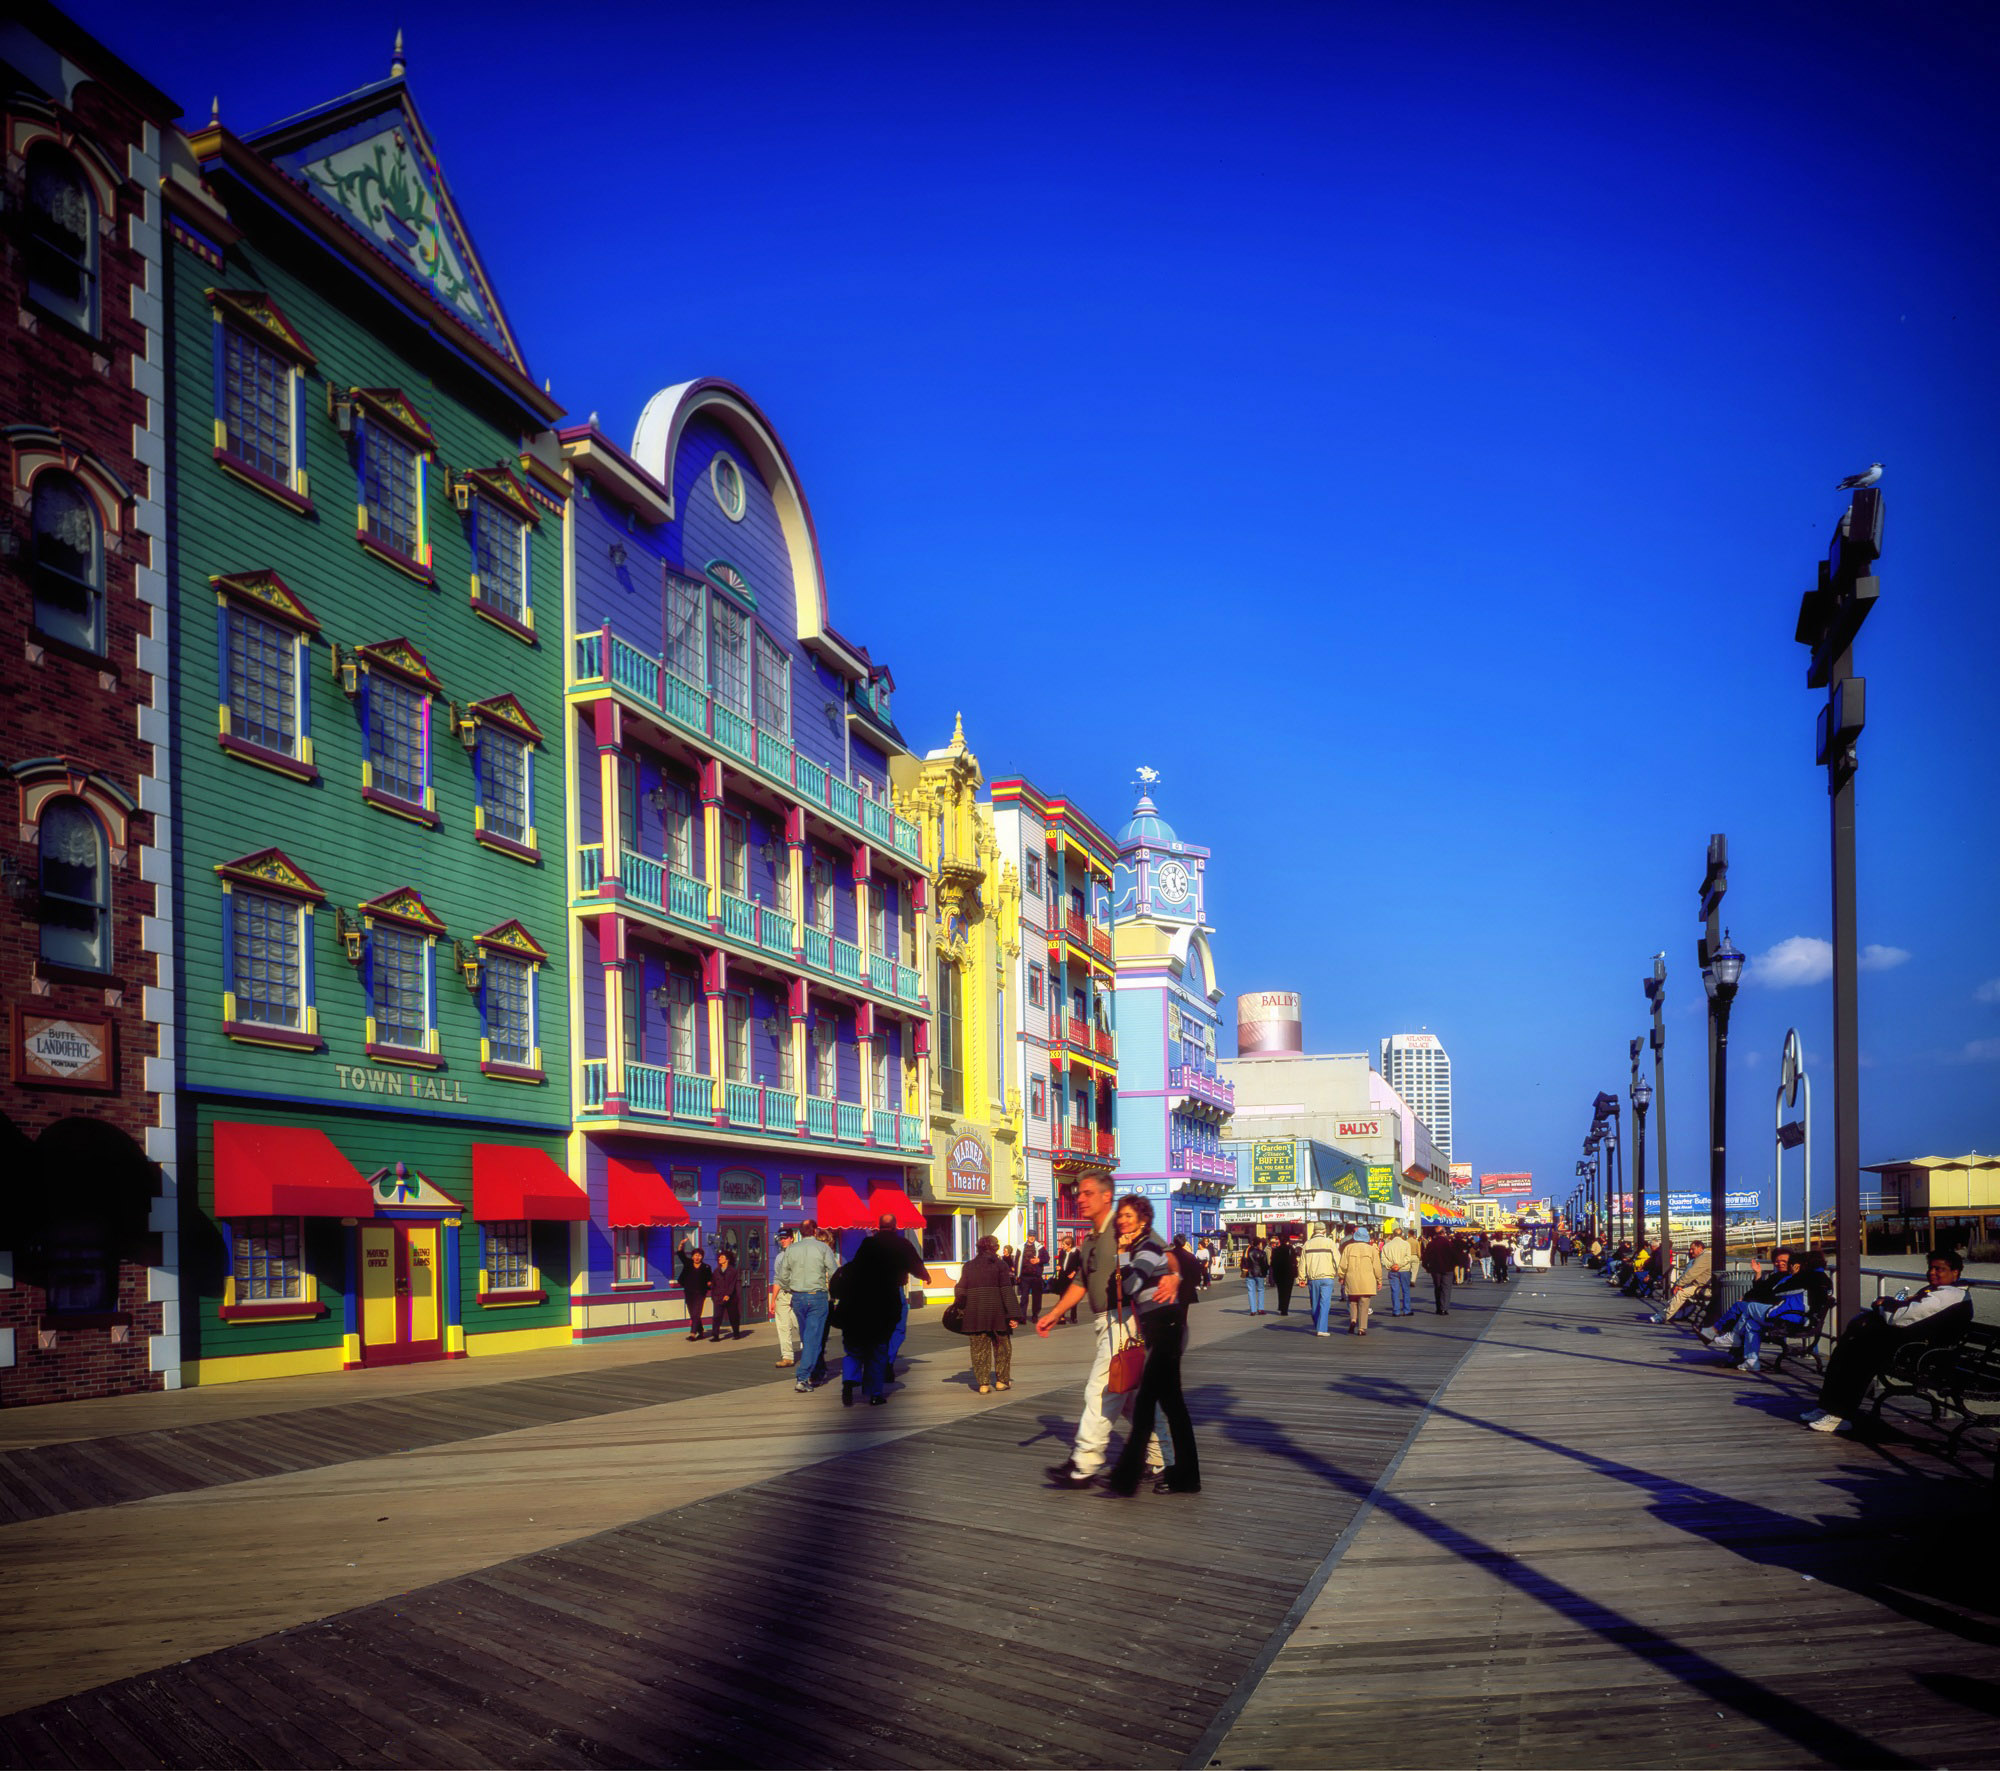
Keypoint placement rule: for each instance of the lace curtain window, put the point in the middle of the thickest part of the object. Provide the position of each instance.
(62, 237)
(69, 562)
(75, 888)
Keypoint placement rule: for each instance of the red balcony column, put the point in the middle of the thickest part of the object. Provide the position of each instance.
(714, 986)
(711, 840)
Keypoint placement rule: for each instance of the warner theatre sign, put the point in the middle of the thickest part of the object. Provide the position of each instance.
(968, 1171)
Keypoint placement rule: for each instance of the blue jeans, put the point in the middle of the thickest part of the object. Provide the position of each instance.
(810, 1308)
(1319, 1295)
(854, 1369)
(1255, 1287)
(1399, 1293)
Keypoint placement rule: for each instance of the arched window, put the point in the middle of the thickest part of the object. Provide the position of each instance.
(62, 237)
(68, 562)
(76, 888)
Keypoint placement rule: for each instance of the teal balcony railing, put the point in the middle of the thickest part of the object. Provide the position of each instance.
(875, 821)
(881, 974)
(645, 1088)
(644, 879)
(595, 1070)
(781, 1110)
(693, 1097)
(848, 1121)
(589, 869)
(738, 920)
(908, 984)
(846, 959)
(884, 1127)
(819, 1119)
(683, 703)
(687, 900)
(819, 948)
(774, 757)
(844, 801)
(741, 1105)
(589, 657)
(906, 839)
(911, 1130)
(774, 932)
(633, 670)
(810, 779)
(731, 730)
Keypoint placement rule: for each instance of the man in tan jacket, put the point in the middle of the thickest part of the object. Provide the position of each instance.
(1399, 1261)
(1320, 1262)
(1692, 1277)
(1360, 1277)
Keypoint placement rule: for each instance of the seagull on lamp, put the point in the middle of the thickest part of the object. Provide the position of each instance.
(1856, 481)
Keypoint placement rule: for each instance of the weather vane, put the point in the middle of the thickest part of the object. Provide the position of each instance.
(1147, 777)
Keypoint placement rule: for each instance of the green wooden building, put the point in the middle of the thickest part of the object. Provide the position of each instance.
(373, 1087)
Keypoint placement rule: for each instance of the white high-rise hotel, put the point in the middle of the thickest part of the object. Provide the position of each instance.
(1416, 1067)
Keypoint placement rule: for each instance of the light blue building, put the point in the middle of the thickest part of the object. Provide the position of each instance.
(1172, 1102)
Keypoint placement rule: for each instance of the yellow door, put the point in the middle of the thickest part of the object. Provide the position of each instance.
(425, 1323)
(378, 1286)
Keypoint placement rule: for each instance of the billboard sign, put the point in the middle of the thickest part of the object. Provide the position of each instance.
(1382, 1186)
(1461, 1177)
(1268, 1021)
(1506, 1186)
(1742, 1201)
(1374, 1127)
(1274, 1162)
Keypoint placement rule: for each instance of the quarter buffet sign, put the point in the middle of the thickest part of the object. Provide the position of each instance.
(65, 1051)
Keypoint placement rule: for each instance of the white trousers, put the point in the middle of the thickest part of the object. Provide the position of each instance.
(1101, 1408)
(787, 1326)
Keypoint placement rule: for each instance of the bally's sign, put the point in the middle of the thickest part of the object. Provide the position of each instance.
(968, 1169)
(1359, 1128)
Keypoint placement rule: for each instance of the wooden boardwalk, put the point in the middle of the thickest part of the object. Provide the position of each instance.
(741, 1576)
(1604, 1548)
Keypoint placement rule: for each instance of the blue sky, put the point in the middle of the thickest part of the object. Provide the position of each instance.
(1409, 429)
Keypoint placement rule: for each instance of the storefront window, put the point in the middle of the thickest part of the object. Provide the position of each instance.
(940, 1238)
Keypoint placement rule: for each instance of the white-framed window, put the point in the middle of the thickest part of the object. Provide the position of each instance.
(878, 1063)
(677, 826)
(628, 1255)
(1038, 1098)
(399, 987)
(735, 855)
(781, 879)
(788, 1071)
(686, 1185)
(1037, 986)
(61, 237)
(267, 1262)
(687, 617)
(826, 1069)
(878, 917)
(500, 559)
(906, 925)
(736, 1037)
(256, 423)
(399, 738)
(730, 660)
(791, 1192)
(508, 1255)
(74, 857)
(68, 561)
(509, 986)
(680, 1023)
(822, 894)
(392, 491)
(1031, 874)
(505, 765)
(267, 972)
(261, 680)
(774, 687)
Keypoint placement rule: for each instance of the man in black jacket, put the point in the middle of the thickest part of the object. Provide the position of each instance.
(1285, 1272)
(1939, 1313)
(870, 1292)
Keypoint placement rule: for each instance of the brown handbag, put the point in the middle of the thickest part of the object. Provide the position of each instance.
(1128, 1359)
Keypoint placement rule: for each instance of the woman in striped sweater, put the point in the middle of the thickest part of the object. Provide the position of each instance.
(1143, 1262)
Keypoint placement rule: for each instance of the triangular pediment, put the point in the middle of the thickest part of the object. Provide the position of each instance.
(501, 485)
(406, 908)
(399, 658)
(506, 710)
(274, 869)
(269, 590)
(369, 160)
(511, 937)
(266, 319)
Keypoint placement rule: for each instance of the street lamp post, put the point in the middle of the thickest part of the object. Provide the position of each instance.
(1791, 1078)
(1583, 1196)
(1642, 1098)
(1721, 970)
(1656, 994)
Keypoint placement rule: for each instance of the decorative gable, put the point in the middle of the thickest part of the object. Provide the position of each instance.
(723, 573)
(273, 870)
(379, 174)
(401, 659)
(410, 1189)
(272, 593)
(404, 908)
(260, 315)
(505, 710)
(500, 485)
(386, 405)
(511, 937)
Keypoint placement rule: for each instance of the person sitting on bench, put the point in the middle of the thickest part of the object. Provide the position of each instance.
(1939, 1313)
(1691, 1279)
(1782, 1297)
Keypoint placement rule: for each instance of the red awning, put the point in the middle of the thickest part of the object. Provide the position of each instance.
(285, 1171)
(513, 1181)
(636, 1195)
(894, 1202)
(839, 1207)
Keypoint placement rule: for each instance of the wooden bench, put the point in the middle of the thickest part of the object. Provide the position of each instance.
(1961, 1377)
(1805, 1340)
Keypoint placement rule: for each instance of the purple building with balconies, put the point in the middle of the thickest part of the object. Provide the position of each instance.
(752, 1041)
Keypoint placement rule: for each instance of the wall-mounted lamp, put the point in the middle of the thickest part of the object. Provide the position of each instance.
(467, 960)
(464, 725)
(346, 669)
(21, 884)
(617, 553)
(656, 799)
(349, 933)
(341, 410)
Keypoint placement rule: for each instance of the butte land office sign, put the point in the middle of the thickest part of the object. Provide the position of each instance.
(65, 1051)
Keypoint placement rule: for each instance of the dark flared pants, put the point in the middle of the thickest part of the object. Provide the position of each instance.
(1164, 1332)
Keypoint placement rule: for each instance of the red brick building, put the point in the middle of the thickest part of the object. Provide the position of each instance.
(88, 1256)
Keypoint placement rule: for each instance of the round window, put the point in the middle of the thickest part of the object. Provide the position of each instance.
(727, 480)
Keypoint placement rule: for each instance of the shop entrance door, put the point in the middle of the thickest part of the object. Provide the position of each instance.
(745, 1240)
(402, 1312)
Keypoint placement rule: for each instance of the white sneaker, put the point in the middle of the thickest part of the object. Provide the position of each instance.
(1829, 1423)
(1751, 1366)
(1323, 1332)
(1813, 1414)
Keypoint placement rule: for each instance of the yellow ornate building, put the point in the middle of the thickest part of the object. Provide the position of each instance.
(977, 1182)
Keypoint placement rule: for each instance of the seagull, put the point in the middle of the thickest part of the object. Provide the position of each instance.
(1855, 481)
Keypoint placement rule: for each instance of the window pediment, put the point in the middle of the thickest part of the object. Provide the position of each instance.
(272, 595)
(400, 659)
(502, 486)
(507, 712)
(387, 406)
(511, 938)
(266, 321)
(403, 908)
(273, 870)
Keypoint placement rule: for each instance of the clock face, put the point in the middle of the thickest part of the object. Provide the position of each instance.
(1172, 883)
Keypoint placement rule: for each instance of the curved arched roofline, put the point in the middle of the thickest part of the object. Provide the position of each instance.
(656, 440)
(1185, 940)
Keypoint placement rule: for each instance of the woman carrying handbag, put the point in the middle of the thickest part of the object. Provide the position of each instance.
(989, 1306)
(1143, 1261)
